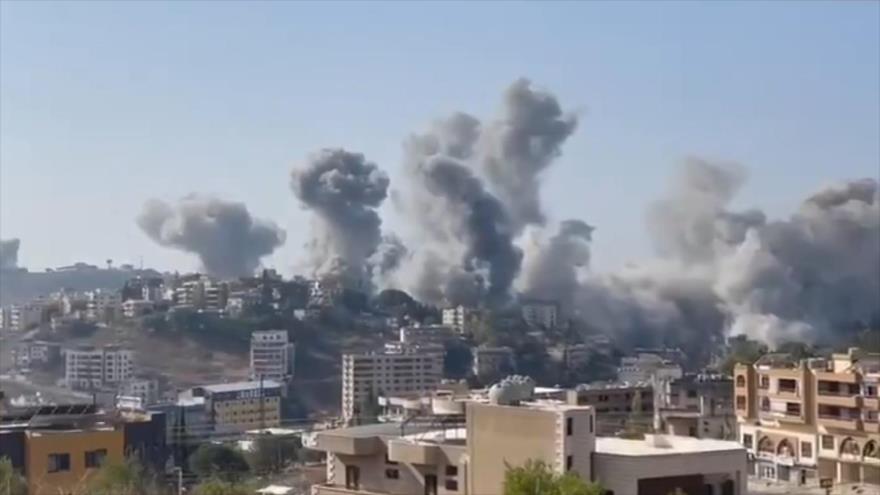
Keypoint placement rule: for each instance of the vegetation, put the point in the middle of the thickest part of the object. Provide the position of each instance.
(214, 461)
(218, 487)
(271, 453)
(536, 478)
(127, 478)
(11, 483)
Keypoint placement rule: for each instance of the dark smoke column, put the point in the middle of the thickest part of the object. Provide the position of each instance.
(9, 253)
(344, 190)
(223, 234)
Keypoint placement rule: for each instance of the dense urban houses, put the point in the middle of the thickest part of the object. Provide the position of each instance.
(802, 421)
(272, 355)
(697, 405)
(645, 366)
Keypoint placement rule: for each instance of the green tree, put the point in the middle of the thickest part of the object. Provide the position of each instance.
(536, 478)
(126, 478)
(217, 487)
(272, 452)
(214, 461)
(11, 482)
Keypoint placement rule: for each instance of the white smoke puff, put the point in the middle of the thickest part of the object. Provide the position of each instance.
(344, 190)
(771, 329)
(227, 239)
(9, 253)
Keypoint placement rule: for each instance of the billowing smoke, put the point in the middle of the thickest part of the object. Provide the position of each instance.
(344, 190)
(553, 268)
(389, 256)
(9, 253)
(227, 239)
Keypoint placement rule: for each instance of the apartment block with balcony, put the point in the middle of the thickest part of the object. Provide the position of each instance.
(272, 355)
(92, 368)
(817, 418)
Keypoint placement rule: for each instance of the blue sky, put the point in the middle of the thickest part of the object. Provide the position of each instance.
(104, 105)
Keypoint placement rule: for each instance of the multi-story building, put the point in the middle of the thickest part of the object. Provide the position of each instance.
(134, 308)
(803, 421)
(101, 305)
(272, 355)
(620, 406)
(541, 314)
(646, 366)
(239, 302)
(201, 293)
(426, 334)
(571, 356)
(368, 375)
(240, 406)
(491, 363)
(36, 352)
(467, 446)
(696, 405)
(18, 318)
(460, 318)
(88, 368)
(145, 390)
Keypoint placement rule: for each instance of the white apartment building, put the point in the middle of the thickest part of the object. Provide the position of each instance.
(645, 367)
(493, 361)
(134, 308)
(272, 355)
(146, 390)
(460, 318)
(541, 314)
(366, 376)
(95, 368)
(18, 318)
(101, 304)
(426, 334)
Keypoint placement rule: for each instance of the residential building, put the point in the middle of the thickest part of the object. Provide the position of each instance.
(490, 363)
(101, 305)
(202, 293)
(646, 366)
(19, 318)
(239, 302)
(571, 356)
(541, 314)
(806, 420)
(36, 352)
(460, 318)
(89, 367)
(272, 355)
(696, 405)
(134, 308)
(240, 406)
(620, 406)
(426, 334)
(367, 375)
(145, 389)
(466, 446)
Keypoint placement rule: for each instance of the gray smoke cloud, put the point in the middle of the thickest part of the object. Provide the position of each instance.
(9, 253)
(227, 239)
(389, 256)
(553, 268)
(344, 190)
(520, 145)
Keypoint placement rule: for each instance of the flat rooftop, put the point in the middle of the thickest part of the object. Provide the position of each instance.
(237, 386)
(666, 445)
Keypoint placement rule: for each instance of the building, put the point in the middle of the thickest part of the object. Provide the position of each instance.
(146, 390)
(802, 421)
(570, 356)
(368, 375)
(240, 302)
(619, 406)
(426, 334)
(492, 362)
(88, 368)
(696, 405)
(467, 445)
(272, 355)
(240, 406)
(18, 318)
(36, 353)
(646, 366)
(460, 318)
(57, 448)
(134, 308)
(541, 314)
(101, 305)
(201, 292)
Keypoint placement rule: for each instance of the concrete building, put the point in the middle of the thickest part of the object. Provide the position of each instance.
(570, 356)
(490, 363)
(426, 334)
(102, 305)
(366, 376)
(696, 405)
(466, 447)
(240, 406)
(201, 292)
(134, 308)
(619, 406)
(145, 389)
(541, 314)
(31, 352)
(813, 419)
(19, 318)
(646, 366)
(240, 302)
(90, 368)
(272, 355)
(460, 318)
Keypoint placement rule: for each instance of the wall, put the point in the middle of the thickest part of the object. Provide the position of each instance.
(75, 443)
(621, 473)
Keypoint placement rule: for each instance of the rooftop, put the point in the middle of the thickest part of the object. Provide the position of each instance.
(656, 445)
(236, 386)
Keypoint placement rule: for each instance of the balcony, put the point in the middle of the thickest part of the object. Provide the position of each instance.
(839, 422)
(415, 453)
(838, 399)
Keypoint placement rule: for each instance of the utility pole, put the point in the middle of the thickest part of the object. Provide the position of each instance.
(262, 407)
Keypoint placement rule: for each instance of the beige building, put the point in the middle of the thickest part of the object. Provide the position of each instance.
(240, 406)
(467, 446)
(272, 355)
(618, 405)
(813, 419)
(366, 376)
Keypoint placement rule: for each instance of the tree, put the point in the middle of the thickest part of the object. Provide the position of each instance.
(272, 452)
(217, 487)
(536, 478)
(127, 478)
(11, 482)
(218, 461)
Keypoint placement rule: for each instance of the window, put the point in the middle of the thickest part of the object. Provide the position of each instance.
(451, 470)
(747, 440)
(806, 450)
(591, 423)
(765, 404)
(569, 462)
(827, 442)
(740, 402)
(692, 394)
(352, 477)
(58, 463)
(569, 426)
(787, 385)
(451, 485)
(392, 474)
(765, 381)
(792, 409)
(95, 458)
(740, 381)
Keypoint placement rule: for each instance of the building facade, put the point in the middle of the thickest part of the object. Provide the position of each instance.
(460, 318)
(803, 421)
(618, 405)
(272, 355)
(241, 406)
(102, 305)
(88, 368)
(541, 314)
(492, 362)
(646, 366)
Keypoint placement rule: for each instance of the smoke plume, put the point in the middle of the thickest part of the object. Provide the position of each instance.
(344, 190)
(9, 253)
(227, 239)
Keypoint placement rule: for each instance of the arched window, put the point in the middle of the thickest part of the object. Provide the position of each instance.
(871, 450)
(740, 381)
(784, 449)
(765, 404)
(849, 447)
(765, 445)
